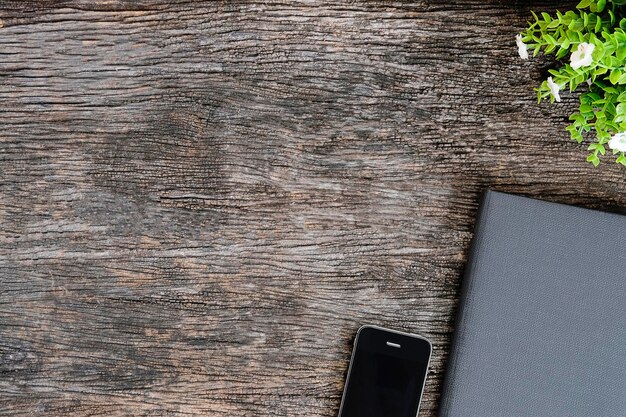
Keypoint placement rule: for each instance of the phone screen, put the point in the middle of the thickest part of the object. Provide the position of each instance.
(386, 375)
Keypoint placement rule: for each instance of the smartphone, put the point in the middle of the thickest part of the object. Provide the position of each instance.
(387, 374)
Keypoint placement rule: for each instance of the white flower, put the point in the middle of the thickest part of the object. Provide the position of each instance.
(522, 49)
(618, 142)
(582, 56)
(554, 89)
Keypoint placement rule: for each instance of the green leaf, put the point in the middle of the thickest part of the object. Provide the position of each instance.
(598, 24)
(620, 36)
(584, 4)
(597, 148)
(598, 51)
(601, 133)
(622, 97)
(549, 39)
(535, 16)
(576, 136)
(593, 97)
(565, 43)
(593, 158)
(600, 71)
(612, 62)
(586, 109)
(555, 23)
(612, 15)
(620, 53)
(572, 35)
(615, 76)
(561, 52)
(576, 26)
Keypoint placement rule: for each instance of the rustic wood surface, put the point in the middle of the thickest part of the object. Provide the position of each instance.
(200, 202)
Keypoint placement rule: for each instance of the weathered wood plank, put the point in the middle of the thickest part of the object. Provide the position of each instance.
(200, 202)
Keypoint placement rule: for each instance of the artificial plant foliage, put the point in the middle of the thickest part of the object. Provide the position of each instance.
(593, 41)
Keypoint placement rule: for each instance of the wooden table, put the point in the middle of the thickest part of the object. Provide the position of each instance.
(200, 202)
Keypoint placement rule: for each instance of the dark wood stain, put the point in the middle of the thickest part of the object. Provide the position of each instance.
(201, 202)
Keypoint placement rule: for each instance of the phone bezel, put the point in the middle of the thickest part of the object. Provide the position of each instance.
(384, 330)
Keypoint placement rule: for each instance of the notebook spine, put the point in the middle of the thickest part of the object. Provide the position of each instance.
(447, 399)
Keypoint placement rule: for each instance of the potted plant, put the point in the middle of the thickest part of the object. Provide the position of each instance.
(590, 43)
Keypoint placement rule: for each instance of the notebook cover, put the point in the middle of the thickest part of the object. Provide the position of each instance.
(541, 328)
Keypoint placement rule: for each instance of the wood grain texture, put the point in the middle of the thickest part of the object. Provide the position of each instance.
(200, 202)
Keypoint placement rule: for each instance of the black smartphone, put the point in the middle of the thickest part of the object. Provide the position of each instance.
(387, 374)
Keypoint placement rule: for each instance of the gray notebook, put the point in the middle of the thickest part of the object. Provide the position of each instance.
(541, 328)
